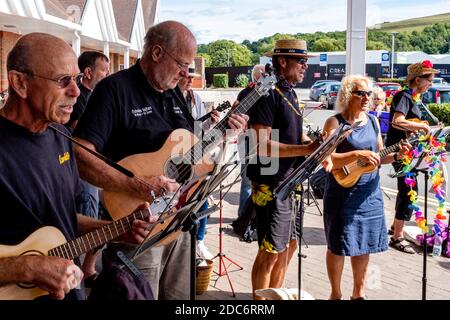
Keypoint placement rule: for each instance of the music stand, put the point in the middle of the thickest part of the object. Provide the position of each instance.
(416, 170)
(293, 183)
(187, 217)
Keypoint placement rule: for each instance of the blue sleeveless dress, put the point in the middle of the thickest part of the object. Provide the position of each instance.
(354, 217)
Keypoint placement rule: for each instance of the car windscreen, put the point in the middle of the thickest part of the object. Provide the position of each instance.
(445, 96)
(335, 87)
(386, 88)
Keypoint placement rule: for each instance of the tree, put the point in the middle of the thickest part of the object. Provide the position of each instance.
(376, 45)
(228, 53)
(432, 39)
(325, 45)
(202, 48)
(207, 59)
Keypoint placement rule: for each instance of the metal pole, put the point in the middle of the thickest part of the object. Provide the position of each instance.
(392, 53)
(425, 236)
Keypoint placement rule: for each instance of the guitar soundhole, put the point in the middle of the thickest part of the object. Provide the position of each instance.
(24, 285)
(179, 171)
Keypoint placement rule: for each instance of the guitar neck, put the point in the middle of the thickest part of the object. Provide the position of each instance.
(210, 140)
(97, 238)
(384, 152)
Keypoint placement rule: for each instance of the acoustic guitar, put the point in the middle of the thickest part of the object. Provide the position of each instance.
(183, 157)
(349, 175)
(49, 241)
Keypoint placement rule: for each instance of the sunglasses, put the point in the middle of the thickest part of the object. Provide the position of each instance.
(300, 60)
(361, 93)
(63, 82)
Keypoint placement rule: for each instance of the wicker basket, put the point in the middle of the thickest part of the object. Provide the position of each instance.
(203, 277)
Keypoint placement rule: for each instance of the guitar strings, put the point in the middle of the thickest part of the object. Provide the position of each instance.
(245, 104)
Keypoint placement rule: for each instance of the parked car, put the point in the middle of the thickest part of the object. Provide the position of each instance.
(437, 81)
(318, 87)
(390, 88)
(329, 94)
(437, 94)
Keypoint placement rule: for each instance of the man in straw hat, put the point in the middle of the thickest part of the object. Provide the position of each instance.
(278, 123)
(406, 106)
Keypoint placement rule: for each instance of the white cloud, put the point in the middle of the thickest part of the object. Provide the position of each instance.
(239, 20)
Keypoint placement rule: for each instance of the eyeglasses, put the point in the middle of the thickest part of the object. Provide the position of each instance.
(302, 61)
(426, 78)
(63, 82)
(361, 93)
(182, 66)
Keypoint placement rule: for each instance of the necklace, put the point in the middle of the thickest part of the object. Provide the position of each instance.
(289, 103)
(414, 95)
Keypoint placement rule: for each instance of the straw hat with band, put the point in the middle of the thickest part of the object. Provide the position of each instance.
(420, 69)
(191, 72)
(290, 47)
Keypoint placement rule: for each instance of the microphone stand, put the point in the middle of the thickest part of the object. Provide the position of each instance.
(416, 172)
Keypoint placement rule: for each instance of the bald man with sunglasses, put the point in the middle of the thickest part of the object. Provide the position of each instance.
(38, 174)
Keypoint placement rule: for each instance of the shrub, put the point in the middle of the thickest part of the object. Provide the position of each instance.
(242, 80)
(390, 80)
(441, 111)
(220, 80)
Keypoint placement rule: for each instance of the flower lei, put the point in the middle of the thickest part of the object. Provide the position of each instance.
(434, 148)
(414, 95)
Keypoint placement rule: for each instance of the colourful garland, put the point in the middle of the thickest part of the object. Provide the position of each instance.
(415, 95)
(435, 157)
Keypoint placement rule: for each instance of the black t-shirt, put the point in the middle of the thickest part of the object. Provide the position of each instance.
(403, 103)
(38, 182)
(80, 106)
(273, 111)
(126, 116)
(244, 92)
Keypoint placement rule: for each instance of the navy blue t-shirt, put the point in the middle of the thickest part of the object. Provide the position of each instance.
(403, 103)
(80, 106)
(273, 111)
(126, 116)
(38, 182)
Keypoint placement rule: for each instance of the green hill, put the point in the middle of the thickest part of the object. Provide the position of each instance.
(412, 24)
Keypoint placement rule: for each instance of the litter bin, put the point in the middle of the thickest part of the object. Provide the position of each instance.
(383, 118)
(384, 122)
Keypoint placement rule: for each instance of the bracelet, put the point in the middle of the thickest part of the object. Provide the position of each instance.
(395, 157)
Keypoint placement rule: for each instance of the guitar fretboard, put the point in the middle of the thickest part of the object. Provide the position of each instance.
(210, 139)
(97, 238)
(395, 147)
(384, 152)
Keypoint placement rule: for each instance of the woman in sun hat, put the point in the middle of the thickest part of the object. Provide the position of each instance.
(406, 105)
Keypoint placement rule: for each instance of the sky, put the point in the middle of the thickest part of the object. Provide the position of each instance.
(239, 20)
